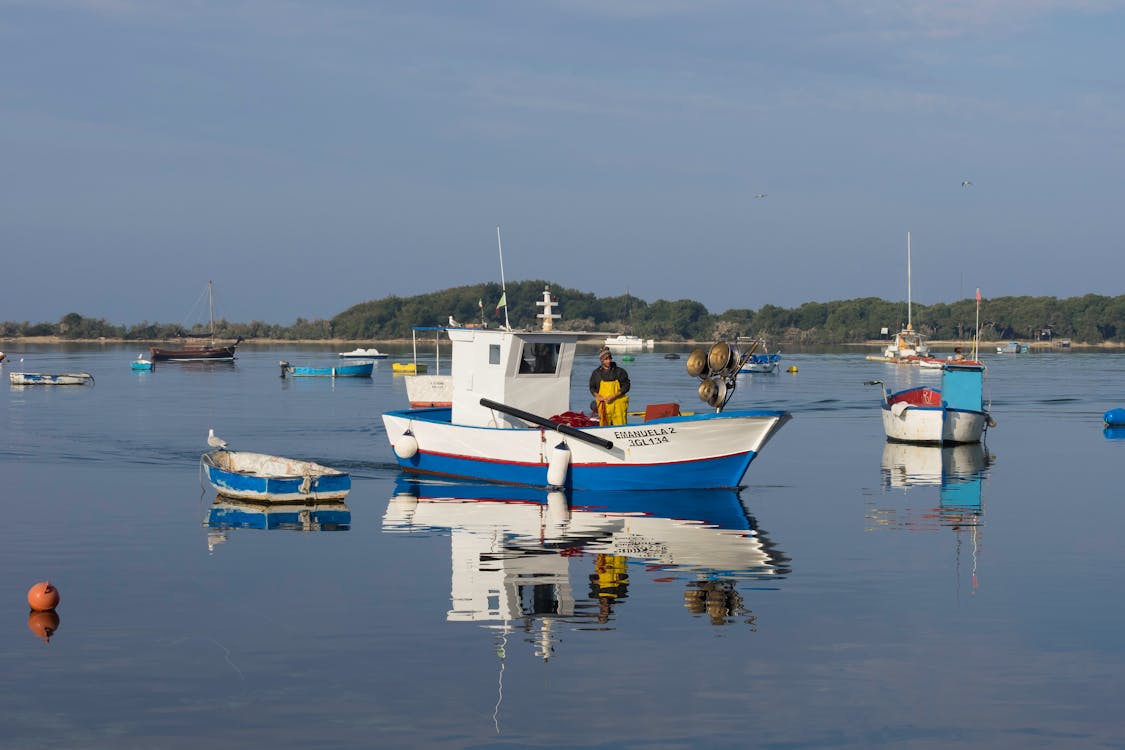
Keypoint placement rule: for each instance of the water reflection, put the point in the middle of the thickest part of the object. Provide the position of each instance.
(957, 473)
(517, 552)
(226, 514)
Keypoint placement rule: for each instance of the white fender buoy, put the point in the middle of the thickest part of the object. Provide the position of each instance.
(406, 446)
(557, 465)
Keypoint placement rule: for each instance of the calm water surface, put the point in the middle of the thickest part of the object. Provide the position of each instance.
(852, 595)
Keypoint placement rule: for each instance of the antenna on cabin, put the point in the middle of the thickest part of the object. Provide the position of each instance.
(503, 284)
(548, 315)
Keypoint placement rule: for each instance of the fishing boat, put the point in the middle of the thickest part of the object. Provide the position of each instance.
(408, 368)
(505, 384)
(355, 370)
(908, 346)
(48, 378)
(1012, 347)
(363, 354)
(264, 478)
(193, 352)
(626, 342)
(953, 414)
(429, 390)
(140, 364)
(763, 362)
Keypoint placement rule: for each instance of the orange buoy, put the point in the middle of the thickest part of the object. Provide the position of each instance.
(43, 624)
(43, 597)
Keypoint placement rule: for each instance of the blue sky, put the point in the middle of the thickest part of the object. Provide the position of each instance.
(310, 155)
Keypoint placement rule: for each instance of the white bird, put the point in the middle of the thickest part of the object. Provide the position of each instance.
(966, 183)
(215, 441)
(453, 322)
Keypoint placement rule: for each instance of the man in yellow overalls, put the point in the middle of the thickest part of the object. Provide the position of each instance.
(609, 385)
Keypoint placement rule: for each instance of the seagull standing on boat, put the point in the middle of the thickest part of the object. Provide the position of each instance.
(453, 323)
(215, 441)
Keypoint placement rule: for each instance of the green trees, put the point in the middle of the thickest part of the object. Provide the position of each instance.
(1091, 318)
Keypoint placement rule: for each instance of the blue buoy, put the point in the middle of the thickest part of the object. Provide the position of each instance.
(1115, 417)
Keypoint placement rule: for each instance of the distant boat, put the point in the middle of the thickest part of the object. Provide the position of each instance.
(45, 378)
(408, 367)
(908, 345)
(763, 363)
(357, 370)
(140, 364)
(265, 478)
(627, 342)
(954, 414)
(364, 354)
(192, 352)
(429, 390)
(1012, 347)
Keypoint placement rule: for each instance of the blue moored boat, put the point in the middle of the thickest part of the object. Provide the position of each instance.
(356, 370)
(1114, 417)
(264, 478)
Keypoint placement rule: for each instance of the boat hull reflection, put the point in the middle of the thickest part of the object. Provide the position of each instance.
(517, 550)
(231, 513)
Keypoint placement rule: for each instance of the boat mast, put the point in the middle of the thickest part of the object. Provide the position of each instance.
(211, 310)
(503, 284)
(909, 321)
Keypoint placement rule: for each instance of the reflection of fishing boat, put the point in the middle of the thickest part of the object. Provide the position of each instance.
(515, 548)
(505, 380)
(190, 351)
(265, 478)
(953, 414)
(906, 465)
(429, 390)
(363, 354)
(50, 378)
(227, 513)
(356, 370)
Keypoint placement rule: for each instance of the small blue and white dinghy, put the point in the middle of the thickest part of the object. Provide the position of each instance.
(140, 364)
(355, 370)
(48, 378)
(264, 478)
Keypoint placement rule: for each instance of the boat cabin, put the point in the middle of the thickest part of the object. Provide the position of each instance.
(528, 370)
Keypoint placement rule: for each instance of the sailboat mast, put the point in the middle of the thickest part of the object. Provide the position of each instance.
(211, 310)
(909, 301)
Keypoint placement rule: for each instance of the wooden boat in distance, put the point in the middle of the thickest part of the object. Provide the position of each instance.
(355, 370)
(45, 378)
(196, 352)
(363, 354)
(265, 478)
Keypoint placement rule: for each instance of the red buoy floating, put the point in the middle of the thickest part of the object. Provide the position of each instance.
(43, 597)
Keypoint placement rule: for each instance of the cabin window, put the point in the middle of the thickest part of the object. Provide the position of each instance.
(493, 354)
(539, 359)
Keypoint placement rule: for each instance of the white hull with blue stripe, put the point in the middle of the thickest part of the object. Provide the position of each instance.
(952, 415)
(264, 478)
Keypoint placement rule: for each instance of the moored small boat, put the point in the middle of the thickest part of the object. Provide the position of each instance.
(356, 370)
(264, 478)
(363, 354)
(190, 351)
(953, 414)
(140, 364)
(47, 378)
(408, 367)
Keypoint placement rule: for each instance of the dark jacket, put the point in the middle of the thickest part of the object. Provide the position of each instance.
(613, 373)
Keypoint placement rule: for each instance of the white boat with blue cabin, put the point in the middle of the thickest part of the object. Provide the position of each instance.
(511, 421)
(953, 414)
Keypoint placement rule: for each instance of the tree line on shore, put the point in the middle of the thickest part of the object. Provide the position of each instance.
(1090, 319)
